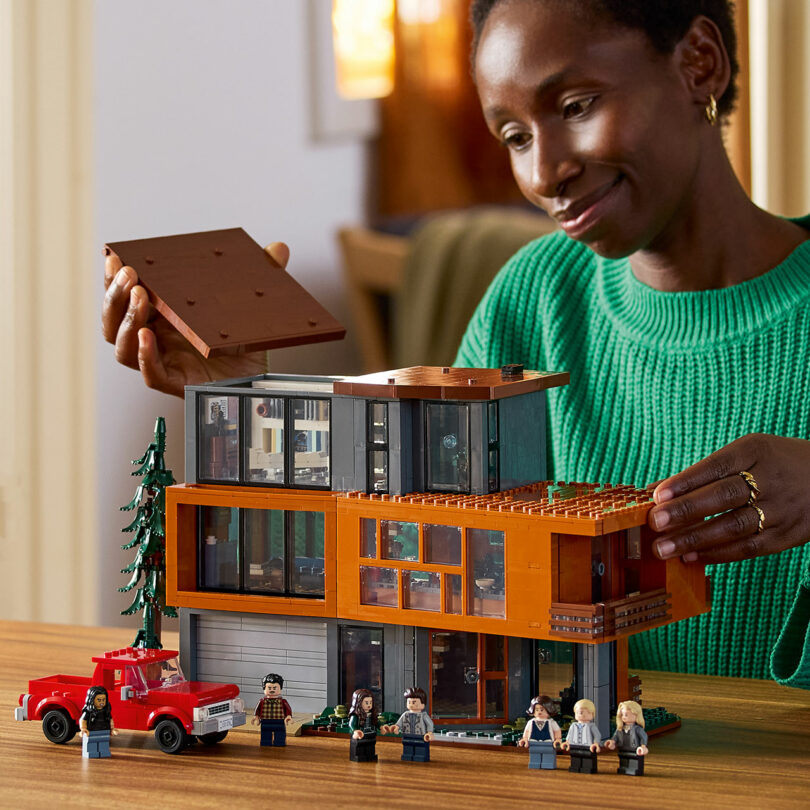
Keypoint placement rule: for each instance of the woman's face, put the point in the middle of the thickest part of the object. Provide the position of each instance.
(601, 129)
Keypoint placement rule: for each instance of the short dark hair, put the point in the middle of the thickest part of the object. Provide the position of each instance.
(546, 702)
(416, 692)
(665, 22)
(273, 678)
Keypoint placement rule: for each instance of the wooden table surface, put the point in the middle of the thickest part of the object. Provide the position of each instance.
(742, 744)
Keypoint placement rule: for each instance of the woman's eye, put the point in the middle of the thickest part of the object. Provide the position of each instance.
(577, 108)
(515, 140)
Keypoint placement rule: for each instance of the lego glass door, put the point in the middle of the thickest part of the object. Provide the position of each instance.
(468, 677)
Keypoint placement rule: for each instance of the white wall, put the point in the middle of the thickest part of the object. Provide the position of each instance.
(202, 120)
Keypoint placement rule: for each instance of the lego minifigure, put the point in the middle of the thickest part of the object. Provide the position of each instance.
(273, 711)
(583, 738)
(630, 739)
(96, 724)
(415, 726)
(363, 725)
(541, 734)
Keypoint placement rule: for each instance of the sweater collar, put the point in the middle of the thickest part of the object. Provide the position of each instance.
(689, 320)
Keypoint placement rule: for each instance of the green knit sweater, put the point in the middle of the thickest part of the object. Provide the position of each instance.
(659, 381)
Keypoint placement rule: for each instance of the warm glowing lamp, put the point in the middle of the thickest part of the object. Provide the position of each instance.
(363, 35)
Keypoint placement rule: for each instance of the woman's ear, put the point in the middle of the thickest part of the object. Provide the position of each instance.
(703, 60)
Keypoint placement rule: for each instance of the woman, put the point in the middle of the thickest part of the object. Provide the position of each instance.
(363, 725)
(680, 308)
(96, 724)
(629, 739)
(541, 734)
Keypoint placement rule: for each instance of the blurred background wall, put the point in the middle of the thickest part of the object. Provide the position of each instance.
(121, 120)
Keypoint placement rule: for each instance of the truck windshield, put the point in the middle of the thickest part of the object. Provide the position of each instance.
(157, 675)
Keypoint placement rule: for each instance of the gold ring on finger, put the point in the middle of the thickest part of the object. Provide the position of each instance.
(752, 486)
(760, 517)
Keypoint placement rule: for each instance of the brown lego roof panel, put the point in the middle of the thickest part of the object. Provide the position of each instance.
(221, 291)
(437, 382)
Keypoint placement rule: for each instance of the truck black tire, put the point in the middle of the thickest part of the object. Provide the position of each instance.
(58, 726)
(170, 736)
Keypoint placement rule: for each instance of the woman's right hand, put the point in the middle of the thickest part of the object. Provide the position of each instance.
(146, 341)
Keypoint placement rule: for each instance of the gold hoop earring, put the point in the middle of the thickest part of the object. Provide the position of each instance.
(711, 110)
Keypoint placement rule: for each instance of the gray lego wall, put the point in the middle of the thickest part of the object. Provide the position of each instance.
(522, 433)
(243, 648)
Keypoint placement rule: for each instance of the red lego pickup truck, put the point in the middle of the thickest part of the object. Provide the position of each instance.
(147, 691)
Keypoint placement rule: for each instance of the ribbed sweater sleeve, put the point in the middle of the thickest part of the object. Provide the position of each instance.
(659, 381)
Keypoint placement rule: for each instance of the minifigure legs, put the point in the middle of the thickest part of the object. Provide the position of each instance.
(542, 755)
(630, 764)
(274, 732)
(583, 760)
(96, 745)
(415, 748)
(363, 750)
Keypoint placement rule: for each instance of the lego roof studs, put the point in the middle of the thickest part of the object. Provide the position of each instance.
(222, 292)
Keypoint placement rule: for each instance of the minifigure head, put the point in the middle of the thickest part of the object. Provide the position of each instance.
(584, 711)
(97, 699)
(415, 699)
(542, 707)
(362, 703)
(272, 685)
(629, 713)
(602, 107)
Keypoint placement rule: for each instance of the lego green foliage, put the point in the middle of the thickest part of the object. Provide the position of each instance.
(148, 569)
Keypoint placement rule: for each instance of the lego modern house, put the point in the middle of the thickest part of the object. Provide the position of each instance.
(390, 530)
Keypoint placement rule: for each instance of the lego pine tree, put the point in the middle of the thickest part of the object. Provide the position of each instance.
(148, 525)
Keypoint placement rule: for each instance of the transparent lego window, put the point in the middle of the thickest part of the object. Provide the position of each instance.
(378, 423)
(495, 698)
(307, 569)
(448, 444)
(361, 662)
(368, 537)
(492, 470)
(378, 586)
(378, 470)
(452, 593)
(311, 442)
(486, 573)
(219, 547)
(400, 540)
(442, 544)
(421, 591)
(154, 675)
(264, 552)
(218, 438)
(264, 450)
(492, 422)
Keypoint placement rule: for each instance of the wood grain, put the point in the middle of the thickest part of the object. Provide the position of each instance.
(743, 744)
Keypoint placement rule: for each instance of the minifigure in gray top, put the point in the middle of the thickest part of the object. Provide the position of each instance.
(415, 726)
(583, 738)
(630, 739)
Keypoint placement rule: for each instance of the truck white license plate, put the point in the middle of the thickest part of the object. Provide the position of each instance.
(224, 723)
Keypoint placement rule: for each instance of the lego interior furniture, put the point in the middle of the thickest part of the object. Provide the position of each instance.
(396, 529)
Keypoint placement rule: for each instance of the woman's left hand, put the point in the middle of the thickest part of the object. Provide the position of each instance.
(745, 523)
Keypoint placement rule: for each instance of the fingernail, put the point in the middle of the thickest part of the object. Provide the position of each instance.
(690, 556)
(121, 279)
(663, 495)
(660, 519)
(665, 548)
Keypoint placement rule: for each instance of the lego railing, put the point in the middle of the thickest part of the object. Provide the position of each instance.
(602, 620)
